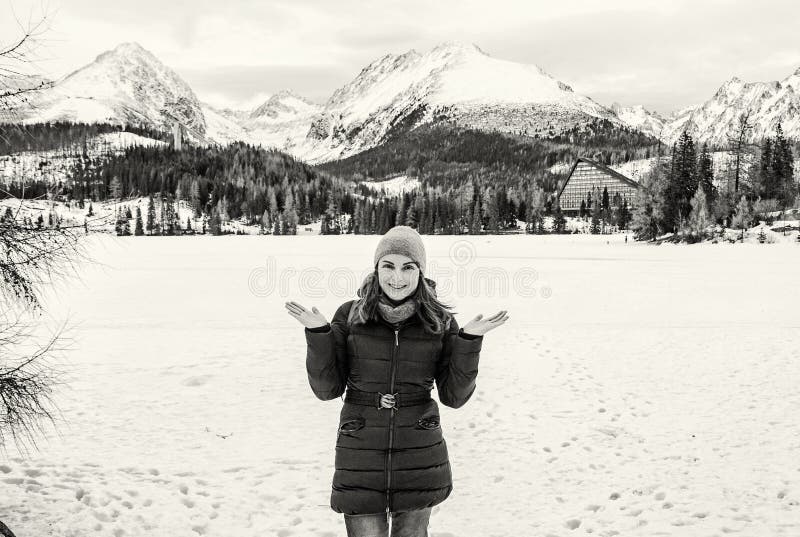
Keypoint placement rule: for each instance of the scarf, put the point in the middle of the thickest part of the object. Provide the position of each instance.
(396, 314)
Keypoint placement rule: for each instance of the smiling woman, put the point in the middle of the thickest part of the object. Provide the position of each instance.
(385, 351)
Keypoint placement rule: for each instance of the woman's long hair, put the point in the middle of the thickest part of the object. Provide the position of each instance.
(435, 315)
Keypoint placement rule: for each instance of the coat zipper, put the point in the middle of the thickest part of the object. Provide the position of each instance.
(393, 366)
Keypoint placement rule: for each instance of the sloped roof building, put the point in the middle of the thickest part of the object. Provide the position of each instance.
(585, 175)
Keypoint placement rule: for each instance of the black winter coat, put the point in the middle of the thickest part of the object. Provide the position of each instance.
(390, 458)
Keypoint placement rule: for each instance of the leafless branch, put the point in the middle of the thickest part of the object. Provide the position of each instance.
(18, 84)
(28, 382)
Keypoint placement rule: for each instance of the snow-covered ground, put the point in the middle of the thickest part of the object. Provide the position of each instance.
(104, 215)
(394, 186)
(636, 390)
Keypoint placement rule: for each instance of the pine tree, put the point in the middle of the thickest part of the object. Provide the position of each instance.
(264, 221)
(705, 175)
(535, 209)
(491, 210)
(151, 216)
(162, 223)
(742, 216)
(476, 224)
(682, 182)
(766, 171)
(559, 222)
(290, 215)
(401, 211)
(117, 222)
(215, 225)
(739, 144)
(648, 209)
(138, 230)
(411, 216)
(783, 168)
(624, 215)
(595, 226)
(699, 219)
(167, 215)
(194, 196)
(176, 219)
(330, 220)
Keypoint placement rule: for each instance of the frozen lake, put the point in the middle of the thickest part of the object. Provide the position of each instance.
(636, 390)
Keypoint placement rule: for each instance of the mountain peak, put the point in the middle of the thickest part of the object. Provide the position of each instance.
(285, 103)
(734, 81)
(127, 51)
(129, 46)
(457, 47)
(287, 93)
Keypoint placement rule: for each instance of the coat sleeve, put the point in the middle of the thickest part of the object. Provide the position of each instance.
(326, 356)
(457, 367)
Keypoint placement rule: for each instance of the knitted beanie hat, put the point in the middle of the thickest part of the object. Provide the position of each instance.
(402, 240)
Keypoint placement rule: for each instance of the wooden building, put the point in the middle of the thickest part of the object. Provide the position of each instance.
(587, 175)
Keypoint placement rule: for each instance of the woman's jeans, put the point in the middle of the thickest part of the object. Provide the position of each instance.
(404, 524)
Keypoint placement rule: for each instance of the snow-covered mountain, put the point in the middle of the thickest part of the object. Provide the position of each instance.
(636, 117)
(454, 82)
(125, 85)
(767, 103)
(281, 122)
(224, 125)
(284, 107)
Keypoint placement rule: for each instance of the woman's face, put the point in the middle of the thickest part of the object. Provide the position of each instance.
(398, 275)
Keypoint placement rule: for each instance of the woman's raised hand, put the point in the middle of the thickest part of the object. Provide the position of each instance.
(479, 326)
(309, 318)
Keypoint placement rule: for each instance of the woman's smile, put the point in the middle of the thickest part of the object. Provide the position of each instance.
(397, 275)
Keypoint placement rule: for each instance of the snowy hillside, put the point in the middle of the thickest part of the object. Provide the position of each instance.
(54, 166)
(393, 186)
(767, 102)
(125, 85)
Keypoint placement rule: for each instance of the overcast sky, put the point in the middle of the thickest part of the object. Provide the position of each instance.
(664, 55)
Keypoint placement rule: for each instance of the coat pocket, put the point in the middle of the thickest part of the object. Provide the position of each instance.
(349, 426)
(428, 423)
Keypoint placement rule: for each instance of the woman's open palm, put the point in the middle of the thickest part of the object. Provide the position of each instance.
(309, 318)
(479, 326)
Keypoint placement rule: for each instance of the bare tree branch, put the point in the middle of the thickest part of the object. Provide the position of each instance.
(28, 382)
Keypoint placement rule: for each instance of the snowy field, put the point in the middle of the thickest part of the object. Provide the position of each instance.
(636, 390)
